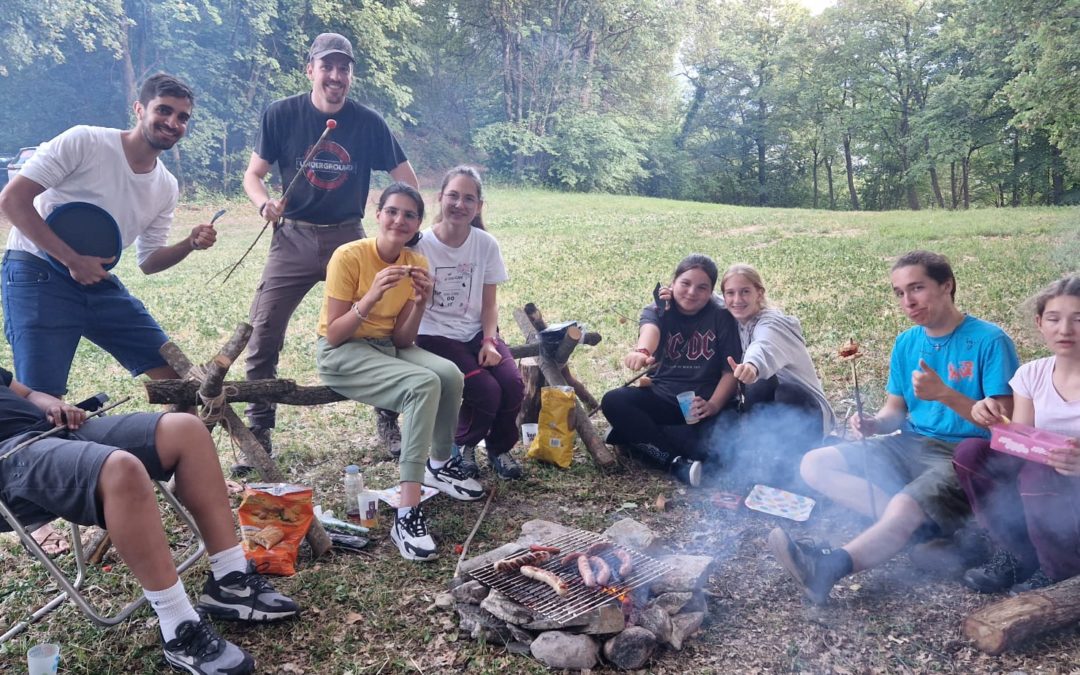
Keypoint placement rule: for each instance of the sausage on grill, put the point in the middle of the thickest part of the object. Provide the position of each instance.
(602, 569)
(547, 577)
(517, 562)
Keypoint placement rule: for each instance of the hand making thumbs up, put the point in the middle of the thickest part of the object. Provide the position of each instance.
(744, 372)
(927, 384)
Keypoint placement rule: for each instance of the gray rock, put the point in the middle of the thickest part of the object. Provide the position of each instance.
(521, 635)
(697, 603)
(632, 534)
(605, 620)
(471, 616)
(688, 573)
(556, 649)
(444, 600)
(506, 609)
(657, 621)
(547, 624)
(630, 649)
(488, 558)
(519, 648)
(683, 626)
(471, 592)
(541, 532)
(672, 603)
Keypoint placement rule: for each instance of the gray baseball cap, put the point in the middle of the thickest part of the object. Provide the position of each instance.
(330, 43)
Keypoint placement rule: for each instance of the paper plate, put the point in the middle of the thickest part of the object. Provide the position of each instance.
(777, 502)
(392, 496)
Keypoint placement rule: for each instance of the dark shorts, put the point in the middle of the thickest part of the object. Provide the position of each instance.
(918, 466)
(46, 314)
(58, 476)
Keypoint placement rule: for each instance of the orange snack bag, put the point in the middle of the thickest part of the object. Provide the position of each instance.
(280, 505)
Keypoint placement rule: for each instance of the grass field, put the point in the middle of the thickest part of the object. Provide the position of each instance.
(593, 259)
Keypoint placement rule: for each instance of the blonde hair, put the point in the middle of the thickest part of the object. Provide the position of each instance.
(750, 273)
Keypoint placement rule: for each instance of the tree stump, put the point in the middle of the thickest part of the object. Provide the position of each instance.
(1007, 623)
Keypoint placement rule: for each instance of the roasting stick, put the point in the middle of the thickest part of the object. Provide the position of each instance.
(331, 124)
(468, 540)
(850, 353)
(58, 429)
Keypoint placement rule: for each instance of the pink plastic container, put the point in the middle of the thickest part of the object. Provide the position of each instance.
(1024, 441)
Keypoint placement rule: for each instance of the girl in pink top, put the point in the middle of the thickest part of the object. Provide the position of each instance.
(1032, 510)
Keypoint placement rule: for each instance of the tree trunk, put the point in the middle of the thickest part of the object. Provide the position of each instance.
(965, 190)
(952, 185)
(815, 177)
(850, 173)
(1015, 178)
(829, 177)
(1008, 623)
(1057, 176)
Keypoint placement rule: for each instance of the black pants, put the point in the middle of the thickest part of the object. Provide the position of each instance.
(778, 425)
(640, 415)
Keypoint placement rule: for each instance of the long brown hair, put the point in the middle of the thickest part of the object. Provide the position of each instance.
(468, 171)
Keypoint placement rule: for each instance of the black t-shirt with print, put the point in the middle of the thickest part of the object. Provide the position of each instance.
(335, 186)
(693, 350)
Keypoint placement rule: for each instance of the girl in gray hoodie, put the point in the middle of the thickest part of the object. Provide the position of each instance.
(786, 412)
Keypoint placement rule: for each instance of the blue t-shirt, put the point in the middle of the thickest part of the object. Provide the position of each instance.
(977, 359)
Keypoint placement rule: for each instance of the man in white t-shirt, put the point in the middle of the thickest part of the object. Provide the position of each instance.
(46, 313)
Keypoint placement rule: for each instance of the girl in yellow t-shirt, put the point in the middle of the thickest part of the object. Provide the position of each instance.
(375, 294)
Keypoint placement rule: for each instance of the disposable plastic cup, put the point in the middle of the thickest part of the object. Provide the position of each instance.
(43, 659)
(528, 433)
(685, 399)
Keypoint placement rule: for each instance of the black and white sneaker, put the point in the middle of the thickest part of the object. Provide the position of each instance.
(451, 480)
(410, 533)
(198, 649)
(245, 596)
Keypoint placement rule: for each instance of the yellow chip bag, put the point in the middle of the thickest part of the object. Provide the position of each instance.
(554, 441)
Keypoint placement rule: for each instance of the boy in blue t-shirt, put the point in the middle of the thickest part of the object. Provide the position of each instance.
(938, 370)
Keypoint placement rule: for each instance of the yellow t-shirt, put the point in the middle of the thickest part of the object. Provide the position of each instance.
(349, 275)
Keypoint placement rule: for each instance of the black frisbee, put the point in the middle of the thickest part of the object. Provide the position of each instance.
(88, 229)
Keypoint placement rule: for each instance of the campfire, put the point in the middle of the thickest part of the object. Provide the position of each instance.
(568, 596)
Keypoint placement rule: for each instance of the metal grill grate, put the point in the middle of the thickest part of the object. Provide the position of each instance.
(542, 599)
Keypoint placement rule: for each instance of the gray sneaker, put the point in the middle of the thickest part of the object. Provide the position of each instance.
(505, 466)
(467, 459)
(386, 426)
(198, 649)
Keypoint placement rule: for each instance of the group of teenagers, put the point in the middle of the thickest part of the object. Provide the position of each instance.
(919, 468)
(409, 324)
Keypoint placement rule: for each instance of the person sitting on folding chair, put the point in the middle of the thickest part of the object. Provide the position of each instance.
(99, 472)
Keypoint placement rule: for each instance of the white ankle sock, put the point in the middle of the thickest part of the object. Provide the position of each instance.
(172, 608)
(437, 463)
(229, 560)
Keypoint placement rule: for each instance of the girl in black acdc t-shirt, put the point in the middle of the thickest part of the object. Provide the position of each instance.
(687, 345)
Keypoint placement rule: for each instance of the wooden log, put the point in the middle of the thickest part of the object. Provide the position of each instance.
(1005, 624)
(593, 443)
(528, 331)
(242, 391)
(534, 380)
(220, 364)
(253, 452)
(535, 317)
(592, 338)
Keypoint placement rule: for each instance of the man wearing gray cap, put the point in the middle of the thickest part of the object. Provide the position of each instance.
(326, 206)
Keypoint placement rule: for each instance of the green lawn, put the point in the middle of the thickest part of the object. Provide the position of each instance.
(594, 259)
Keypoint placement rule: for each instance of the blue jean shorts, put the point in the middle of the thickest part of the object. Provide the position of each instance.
(46, 313)
(58, 476)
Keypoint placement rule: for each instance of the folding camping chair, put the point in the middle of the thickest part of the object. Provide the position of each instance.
(72, 588)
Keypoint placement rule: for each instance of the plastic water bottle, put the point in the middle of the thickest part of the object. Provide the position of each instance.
(354, 485)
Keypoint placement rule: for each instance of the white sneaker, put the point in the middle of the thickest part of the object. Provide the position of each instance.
(452, 480)
(410, 533)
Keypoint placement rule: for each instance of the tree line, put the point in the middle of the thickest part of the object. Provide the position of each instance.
(872, 104)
